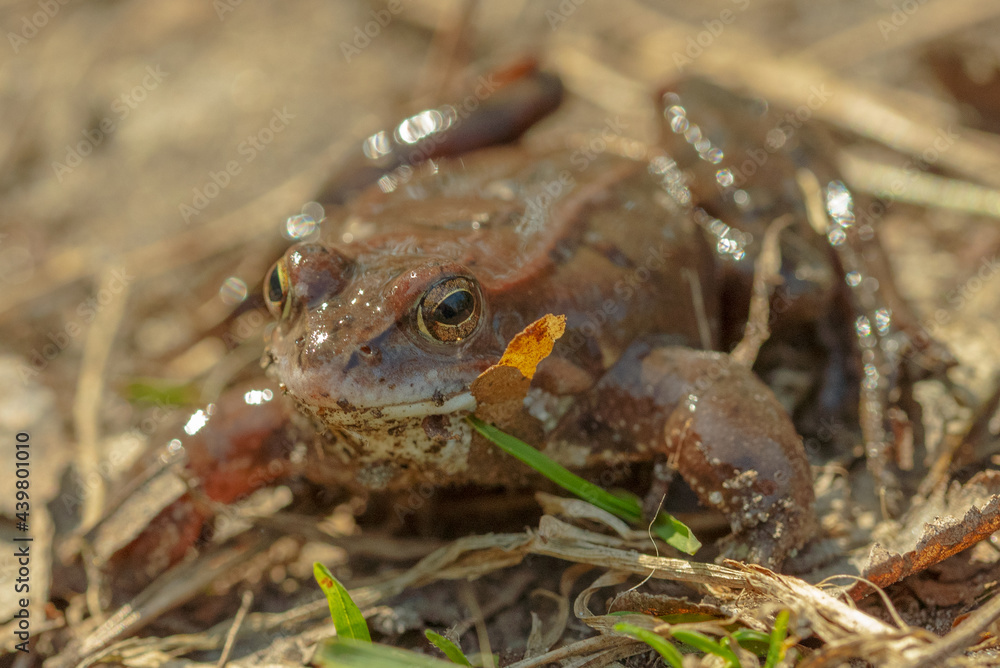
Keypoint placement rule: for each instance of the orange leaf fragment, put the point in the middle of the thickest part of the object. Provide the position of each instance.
(533, 344)
(508, 380)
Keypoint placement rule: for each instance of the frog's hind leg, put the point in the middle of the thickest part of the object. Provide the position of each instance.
(719, 426)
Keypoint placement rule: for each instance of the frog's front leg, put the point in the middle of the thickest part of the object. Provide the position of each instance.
(716, 424)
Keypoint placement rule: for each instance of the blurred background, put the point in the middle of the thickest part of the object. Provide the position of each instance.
(150, 154)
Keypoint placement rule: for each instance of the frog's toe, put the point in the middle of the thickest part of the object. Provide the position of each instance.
(770, 542)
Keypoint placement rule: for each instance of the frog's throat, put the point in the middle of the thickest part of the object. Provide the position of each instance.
(464, 402)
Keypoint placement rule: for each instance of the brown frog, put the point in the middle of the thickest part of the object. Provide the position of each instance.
(421, 278)
(386, 320)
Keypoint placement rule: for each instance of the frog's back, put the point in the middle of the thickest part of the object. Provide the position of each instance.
(605, 239)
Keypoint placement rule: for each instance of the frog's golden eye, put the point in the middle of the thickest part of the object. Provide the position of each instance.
(276, 288)
(449, 311)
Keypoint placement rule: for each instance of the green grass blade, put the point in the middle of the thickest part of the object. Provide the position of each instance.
(159, 391)
(571, 482)
(705, 644)
(450, 649)
(675, 533)
(347, 618)
(342, 653)
(671, 530)
(663, 647)
(776, 651)
(754, 641)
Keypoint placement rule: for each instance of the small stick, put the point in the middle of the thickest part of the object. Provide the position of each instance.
(766, 273)
(235, 628)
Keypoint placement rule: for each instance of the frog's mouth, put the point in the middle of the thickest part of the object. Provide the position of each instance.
(372, 418)
(460, 403)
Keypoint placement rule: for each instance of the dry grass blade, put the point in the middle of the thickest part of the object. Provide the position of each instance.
(175, 587)
(231, 635)
(587, 647)
(920, 189)
(868, 39)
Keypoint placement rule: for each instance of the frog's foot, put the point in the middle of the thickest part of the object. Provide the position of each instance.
(765, 544)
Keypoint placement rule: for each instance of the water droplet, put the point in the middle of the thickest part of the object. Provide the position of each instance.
(233, 291)
(725, 178)
(775, 139)
(872, 378)
(862, 326)
(387, 183)
(314, 209)
(714, 155)
(377, 145)
(840, 203)
(836, 236)
(416, 127)
(853, 278)
(883, 318)
(298, 226)
(693, 134)
(679, 124)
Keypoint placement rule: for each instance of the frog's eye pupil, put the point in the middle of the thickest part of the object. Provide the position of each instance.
(450, 310)
(455, 308)
(274, 291)
(276, 288)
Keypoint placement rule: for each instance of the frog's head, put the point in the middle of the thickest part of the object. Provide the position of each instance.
(372, 336)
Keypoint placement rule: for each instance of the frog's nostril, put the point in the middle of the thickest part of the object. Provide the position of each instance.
(370, 355)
